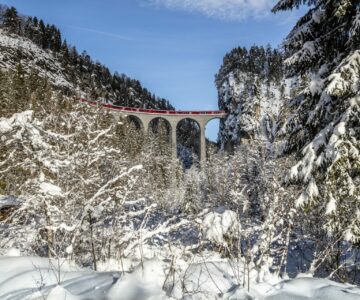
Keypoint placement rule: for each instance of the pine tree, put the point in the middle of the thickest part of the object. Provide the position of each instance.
(29, 28)
(92, 78)
(44, 39)
(291, 4)
(12, 21)
(64, 50)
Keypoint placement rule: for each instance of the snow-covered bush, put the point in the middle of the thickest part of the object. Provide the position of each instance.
(73, 174)
(221, 227)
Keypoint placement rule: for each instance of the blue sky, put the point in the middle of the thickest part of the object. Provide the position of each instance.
(174, 47)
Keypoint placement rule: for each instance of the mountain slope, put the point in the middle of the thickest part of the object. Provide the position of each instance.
(15, 49)
(39, 46)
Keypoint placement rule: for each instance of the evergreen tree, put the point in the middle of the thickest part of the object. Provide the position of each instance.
(12, 21)
(44, 39)
(29, 28)
(324, 118)
(64, 50)
(266, 63)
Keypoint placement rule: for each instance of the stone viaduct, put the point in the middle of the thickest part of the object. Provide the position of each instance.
(172, 117)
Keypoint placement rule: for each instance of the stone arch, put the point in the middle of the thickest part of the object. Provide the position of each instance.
(211, 144)
(134, 121)
(130, 133)
(188, 133)
(160, 125)
(211, 119)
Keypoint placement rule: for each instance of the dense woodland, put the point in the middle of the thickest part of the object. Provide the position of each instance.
(267, 63)
(286, 201)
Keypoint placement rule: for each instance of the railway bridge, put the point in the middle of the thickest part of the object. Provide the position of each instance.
(173, 117)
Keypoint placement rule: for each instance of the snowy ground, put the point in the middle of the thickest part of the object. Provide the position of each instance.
(40, 278)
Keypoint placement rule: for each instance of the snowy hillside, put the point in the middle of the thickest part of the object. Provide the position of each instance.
(15, 49)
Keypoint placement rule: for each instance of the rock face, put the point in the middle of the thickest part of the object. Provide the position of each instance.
(253, 106)
(251, 91)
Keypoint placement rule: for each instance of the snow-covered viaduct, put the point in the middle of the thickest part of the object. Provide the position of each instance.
(172, 117)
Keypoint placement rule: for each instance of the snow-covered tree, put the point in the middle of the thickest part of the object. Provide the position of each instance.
(64, 160)
(11, 20)
(323, 119)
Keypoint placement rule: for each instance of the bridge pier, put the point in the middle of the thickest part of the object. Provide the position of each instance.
(173, 126)
(202, 143)
(145, 128)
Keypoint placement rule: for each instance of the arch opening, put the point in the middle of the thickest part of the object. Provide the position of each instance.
(131, 131)
(161, 128)
(212, 142)
(134, 122)
(159, 136)
(212, 130)
(188, 141)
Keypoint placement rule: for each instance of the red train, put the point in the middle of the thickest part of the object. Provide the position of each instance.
(153, 111)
